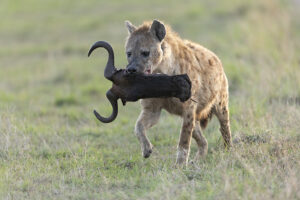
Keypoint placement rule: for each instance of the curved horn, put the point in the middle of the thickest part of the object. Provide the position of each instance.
(110, 65)
(114, 102)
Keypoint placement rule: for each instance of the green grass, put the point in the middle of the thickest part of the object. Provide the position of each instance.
(51, 146)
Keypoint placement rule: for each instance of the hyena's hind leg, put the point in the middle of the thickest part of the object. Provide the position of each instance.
(200, 140)
(221, 110)
(186, 133)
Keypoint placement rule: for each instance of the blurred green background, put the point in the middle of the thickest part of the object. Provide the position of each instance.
(51, 146)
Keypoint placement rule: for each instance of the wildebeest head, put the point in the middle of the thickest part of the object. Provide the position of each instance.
(135, 86)
(143, 46)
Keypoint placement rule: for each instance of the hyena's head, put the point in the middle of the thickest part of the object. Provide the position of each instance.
(143, 46)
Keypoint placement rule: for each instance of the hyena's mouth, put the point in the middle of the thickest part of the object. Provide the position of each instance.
(148, 70)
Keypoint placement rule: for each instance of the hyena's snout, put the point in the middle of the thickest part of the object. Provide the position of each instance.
(135, 67)
(131, 68)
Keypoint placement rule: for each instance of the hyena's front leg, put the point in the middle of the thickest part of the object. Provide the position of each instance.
(146, 120)
(185, 137)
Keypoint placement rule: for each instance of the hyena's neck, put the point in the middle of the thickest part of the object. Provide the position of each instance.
(170, 63)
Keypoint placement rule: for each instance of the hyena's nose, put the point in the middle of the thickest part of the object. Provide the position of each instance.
(131, 70)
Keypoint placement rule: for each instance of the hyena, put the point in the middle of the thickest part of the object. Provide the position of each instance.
(155, 48)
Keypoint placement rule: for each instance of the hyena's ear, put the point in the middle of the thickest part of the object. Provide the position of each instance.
(158, 30)
(131, 28)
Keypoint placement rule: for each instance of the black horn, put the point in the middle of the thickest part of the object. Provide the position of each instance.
(108, 73)
(114, 102)
(110, 65)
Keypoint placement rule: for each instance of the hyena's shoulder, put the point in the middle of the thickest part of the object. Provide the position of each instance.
(203, 55)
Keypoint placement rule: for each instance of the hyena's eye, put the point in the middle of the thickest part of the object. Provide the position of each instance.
(128, 54)
(145, 53)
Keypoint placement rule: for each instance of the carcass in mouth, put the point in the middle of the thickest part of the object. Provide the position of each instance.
(135, 86)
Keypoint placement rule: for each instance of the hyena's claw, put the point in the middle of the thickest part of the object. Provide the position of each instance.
(147, 151)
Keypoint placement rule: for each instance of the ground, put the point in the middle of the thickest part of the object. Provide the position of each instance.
(52, 147)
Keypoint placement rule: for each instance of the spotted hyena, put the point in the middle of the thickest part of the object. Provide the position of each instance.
(154, 48)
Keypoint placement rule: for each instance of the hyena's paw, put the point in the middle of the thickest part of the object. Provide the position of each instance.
(147, 150)
(201, 153)
(182, 157)
(199, 156)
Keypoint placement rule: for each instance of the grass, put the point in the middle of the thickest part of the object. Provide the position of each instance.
(52, 147)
